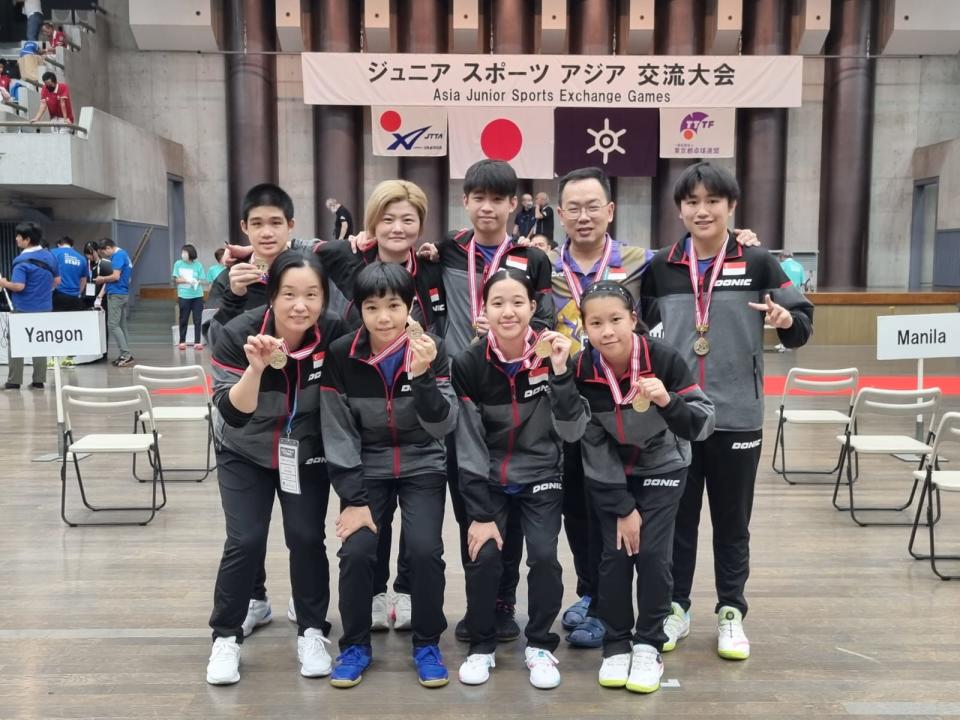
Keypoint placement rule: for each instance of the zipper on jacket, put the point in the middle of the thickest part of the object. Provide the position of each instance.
(756, 378)
(390, 422)
(510, 437)
(619, 416)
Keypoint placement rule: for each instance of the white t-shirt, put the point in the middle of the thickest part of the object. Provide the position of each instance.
(32, 6)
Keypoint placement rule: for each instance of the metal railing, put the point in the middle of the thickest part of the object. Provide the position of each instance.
(141, 246)
(15, 105)
(45, 124)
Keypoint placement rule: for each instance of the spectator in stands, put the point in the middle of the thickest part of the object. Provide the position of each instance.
(55, 99)
(52, 38)
(189, 275)
(74, 275)
(34, 277)
(33, 9)
(526, 218)
(218, 267)
(542, 242)
(544, 216)
(118, 294)
(342, 219)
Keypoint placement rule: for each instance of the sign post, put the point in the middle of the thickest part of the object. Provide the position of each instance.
(916, 337)
(55, 335)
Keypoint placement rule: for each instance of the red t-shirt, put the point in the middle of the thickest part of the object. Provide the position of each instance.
(58, 39)
(5, 82)
(53, 97)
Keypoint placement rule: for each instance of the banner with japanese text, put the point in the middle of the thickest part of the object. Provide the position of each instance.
(376, 79)
(409, 131)
(695, 133)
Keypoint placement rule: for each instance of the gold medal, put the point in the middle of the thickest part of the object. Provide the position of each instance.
(262, 267)
(414, 329)
(543, 349)
(640, 403)
(701, 346)
(278, 359)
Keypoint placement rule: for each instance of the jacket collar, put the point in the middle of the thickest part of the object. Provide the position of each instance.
(679, 256)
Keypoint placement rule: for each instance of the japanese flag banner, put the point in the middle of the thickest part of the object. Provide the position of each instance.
(409, 131)
(521, 136)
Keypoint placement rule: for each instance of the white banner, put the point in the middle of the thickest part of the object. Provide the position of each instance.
(902, 337)
(690, 133)
(523, 138)
(552, 80)
(409, 131)
(55, 334)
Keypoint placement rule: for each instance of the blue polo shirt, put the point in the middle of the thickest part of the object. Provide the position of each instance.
(36, 269)
(73, 267)
(120, 261)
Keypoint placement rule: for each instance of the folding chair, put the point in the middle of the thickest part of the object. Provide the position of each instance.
(935, 480)
(818, 382)
(104, 403)
(887, 404)
(168, 378)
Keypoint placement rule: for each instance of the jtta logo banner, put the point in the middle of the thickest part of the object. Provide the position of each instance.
(409, 131)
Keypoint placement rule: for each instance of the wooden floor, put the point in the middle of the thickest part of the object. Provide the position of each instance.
(111, 622)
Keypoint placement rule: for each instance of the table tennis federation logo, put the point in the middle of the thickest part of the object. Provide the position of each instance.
(693, 123)
(409, 131)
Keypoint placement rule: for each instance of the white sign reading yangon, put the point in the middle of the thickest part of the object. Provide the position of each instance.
(697, 81)
(55, 334)
(910, 337)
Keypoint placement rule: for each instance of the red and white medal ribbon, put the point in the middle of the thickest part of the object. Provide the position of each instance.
(573, 282)
(618, 397)
(702, 299)
(302, 352)
(528, 360)
(390, 349)
(476, 300)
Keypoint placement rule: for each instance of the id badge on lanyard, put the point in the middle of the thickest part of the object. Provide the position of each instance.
(288, 456)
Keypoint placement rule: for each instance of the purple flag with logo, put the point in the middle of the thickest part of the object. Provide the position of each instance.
(624, 142)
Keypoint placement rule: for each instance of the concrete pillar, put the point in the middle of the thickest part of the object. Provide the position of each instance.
(337, 129)
(762, 133)
(251, 101)
(848, 86)
(423, 29)
(678, 30)
(513, 31)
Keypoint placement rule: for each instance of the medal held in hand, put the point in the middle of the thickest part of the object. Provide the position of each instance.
(262, 267)
(640, 403)
(703, 295)
(414, 329)
(543, 348)
(278, 358)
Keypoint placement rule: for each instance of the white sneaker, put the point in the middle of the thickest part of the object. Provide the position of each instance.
(646, 669)
(258, 613)
(402, 612)
(676, 625)
(543, 668)
(614, 671)
(476, 668)
(291, 611)
(379, 619)
(315, 661)
(223, 668)
(732, 643)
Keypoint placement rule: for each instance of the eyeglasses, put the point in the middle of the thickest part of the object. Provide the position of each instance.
(574, 211)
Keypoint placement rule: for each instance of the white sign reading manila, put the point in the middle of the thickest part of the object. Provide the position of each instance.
(376, 79)
(55, 334)
(909, 337)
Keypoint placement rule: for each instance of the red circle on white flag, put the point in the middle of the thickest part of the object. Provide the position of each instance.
(501, 139)
(390, 121)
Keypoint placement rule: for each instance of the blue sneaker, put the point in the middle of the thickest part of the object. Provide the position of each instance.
(431, 671)
(588, 634)
(350, 666)
(576, 613)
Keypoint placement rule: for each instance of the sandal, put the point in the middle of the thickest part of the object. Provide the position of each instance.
(576, 613)
(588, 634)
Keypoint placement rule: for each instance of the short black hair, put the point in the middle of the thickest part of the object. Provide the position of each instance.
(30, 231)
(381, 279)
(65, 240)
(191, 251)
(510, 274)
(49, 76)
(717, 180)
(267, 195)
(492, 176)
(90, 247)
(586, 173)
(106, 243)
(218, 254)
(289, 259)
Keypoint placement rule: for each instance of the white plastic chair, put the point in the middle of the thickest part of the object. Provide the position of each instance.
(888, 404)
(934, 480)
(818, 382)
(103, 403)
(170, 378)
